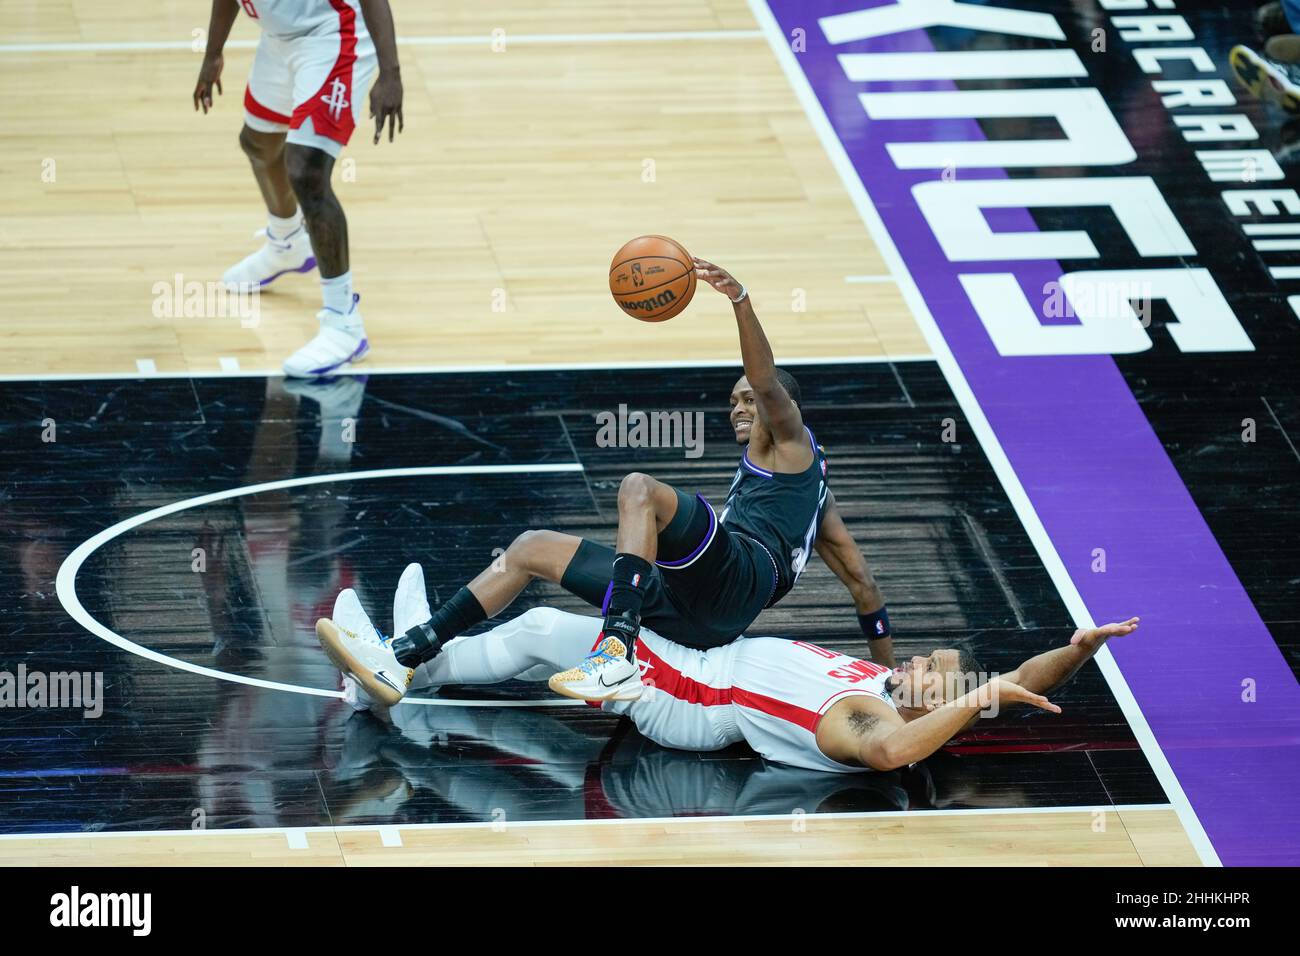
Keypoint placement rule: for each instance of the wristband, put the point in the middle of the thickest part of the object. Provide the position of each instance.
(876, 624)
(740, 298)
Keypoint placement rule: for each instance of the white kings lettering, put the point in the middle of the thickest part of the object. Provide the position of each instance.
(1100, 301)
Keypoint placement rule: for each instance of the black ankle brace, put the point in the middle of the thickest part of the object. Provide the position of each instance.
(421, 643)
(625, 626)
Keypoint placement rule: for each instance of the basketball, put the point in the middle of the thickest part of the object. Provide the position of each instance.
(652, 278)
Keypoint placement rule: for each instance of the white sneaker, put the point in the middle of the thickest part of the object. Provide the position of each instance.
(606, 674)
(331, 349)
(261, 268)
(348, 614)
(410, 607)
(362, 652)
(410, 603)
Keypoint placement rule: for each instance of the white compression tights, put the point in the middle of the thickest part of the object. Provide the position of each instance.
(533, 646)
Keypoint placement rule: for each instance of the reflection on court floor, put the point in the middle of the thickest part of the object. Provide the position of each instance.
(233, 587)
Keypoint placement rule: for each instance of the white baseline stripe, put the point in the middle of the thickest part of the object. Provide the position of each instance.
(979, 424)
(66, 581)
(458, 369)
(607, 821)
(486, 40)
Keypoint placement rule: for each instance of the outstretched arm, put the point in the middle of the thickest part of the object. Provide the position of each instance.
(883, 741)
(1050, 670)
(841, 553)
(778, 411)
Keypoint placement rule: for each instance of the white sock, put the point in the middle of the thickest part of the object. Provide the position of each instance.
(278, 228)
(337, 296)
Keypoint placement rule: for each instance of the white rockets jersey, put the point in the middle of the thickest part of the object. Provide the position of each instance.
(769, 692)
(296, 18)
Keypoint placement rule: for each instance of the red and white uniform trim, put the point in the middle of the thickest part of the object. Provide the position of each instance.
(770, 693)
(311, 72)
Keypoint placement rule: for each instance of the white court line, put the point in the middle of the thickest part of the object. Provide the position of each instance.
(229, 364)
(983, 431)
(485, 40)
(146, 366)
(296, 838)
(66, 581)
(809, 819)
(364, 369)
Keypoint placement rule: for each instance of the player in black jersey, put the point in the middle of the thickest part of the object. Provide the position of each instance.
(696, 577)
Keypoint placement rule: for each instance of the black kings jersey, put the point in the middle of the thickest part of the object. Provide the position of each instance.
(782, 512)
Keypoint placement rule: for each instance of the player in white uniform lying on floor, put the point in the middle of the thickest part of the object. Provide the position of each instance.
(794, 703)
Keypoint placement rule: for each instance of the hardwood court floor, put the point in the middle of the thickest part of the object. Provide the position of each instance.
(1136, 837)
(482, 236)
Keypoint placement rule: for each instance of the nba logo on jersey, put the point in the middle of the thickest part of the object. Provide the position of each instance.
(636, 580)
(337, 100)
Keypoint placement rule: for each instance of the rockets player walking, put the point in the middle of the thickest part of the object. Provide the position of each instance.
(302, 103)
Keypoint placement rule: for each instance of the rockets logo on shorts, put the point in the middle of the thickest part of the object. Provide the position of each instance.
(336, 101)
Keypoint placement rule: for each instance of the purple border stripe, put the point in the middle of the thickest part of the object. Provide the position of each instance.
(1098, 477)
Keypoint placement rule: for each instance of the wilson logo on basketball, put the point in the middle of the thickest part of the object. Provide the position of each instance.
(648, 305)
(652, 278)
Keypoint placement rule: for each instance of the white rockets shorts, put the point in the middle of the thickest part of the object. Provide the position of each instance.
(312, 87)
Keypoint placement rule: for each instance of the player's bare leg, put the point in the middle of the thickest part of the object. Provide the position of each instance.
(372, 662)
(287, 248)
(342, 336)
(308, 171)
(645, 506)
(265, 152)
(534, 554)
